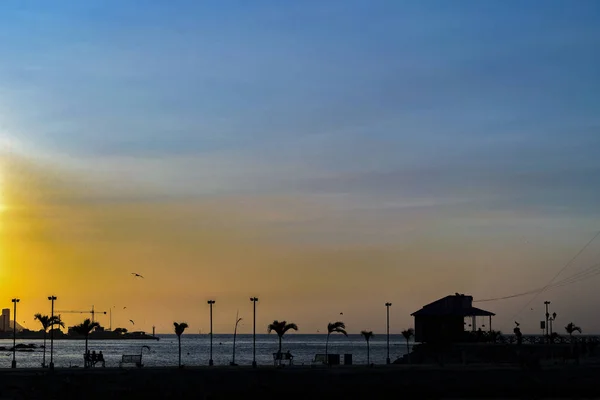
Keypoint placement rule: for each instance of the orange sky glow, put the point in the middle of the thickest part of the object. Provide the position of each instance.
(305, 260)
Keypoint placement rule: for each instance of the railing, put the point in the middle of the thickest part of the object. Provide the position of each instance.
(542, 339)
(495, 337)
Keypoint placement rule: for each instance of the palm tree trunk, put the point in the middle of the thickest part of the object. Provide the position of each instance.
(368, 353)
(44, 357)
(407, 350)
(179, 340)
(326, 346)
(86, 349)
(279, 344)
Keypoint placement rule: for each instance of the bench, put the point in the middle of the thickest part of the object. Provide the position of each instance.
(90, 360)
(320, 359)
(131, 359)
(279, 357)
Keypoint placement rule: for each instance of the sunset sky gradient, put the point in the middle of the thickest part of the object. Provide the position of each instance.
(325, 156)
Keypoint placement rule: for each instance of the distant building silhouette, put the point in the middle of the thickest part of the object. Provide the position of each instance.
(5, 320)
(444, 319)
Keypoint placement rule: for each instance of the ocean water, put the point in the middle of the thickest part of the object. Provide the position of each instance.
(195, 350)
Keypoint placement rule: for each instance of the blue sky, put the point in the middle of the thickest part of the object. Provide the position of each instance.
(459, 122)
(429, 99)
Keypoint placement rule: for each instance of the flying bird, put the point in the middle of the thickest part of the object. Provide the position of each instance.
(516, 323)
(124, 308)
(132, 321)
(341, 313)
(136, 275)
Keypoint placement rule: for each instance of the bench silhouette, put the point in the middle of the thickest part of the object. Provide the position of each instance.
(131, 359)
(279, 357)
(320, 359)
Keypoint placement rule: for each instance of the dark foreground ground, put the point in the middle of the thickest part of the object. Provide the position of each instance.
(303, 383)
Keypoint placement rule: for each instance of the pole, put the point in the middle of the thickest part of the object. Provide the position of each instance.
(387, 306)
(547, 316)
(52, 298)
(110, 317)
(14, 360)
(210, 303)
(254, 300)
(237, 321)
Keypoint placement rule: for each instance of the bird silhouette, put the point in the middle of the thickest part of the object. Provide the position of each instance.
(516, 323)
(124, 308)
(341, 313)
(136, 275)
(132, 321)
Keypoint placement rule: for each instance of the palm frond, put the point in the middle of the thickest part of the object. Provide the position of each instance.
(571, 327)
(281, 327)
(43, 320)
(338, 327)
(55, 320)
(408, 333)
(275, 326)
(180, 328)
(367, 335)
(86, 327)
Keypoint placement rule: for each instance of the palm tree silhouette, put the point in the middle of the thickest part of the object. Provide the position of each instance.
(179, 329)
(85, 328)
(334, 327)
(46, 323)
(368, 335)
(280, 328)
(408, 333)
(572, 328)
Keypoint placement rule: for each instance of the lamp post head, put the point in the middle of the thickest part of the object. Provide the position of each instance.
(211, 302)
(388, 304)
(51, 297)
(15, 300)
(253, 298)
(546, 302)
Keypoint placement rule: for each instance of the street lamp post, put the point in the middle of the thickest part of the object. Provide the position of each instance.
(52, 299)
(14, 360)
(387, 306)
(552, 319)
(547, 303)
(210, 303)
(254, 300)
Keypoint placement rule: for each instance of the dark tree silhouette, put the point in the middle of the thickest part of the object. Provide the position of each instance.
(280, 328)
(334, 327)
(572, 328)
(85, 328)
(368, 335)
(408, 333)
(47, 322)
(179, 329)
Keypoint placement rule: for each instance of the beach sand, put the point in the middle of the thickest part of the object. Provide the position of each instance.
(347, 382)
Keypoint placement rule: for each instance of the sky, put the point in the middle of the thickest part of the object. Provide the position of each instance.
(325, 156)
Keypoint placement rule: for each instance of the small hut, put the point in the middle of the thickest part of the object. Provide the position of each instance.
(444, 319)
